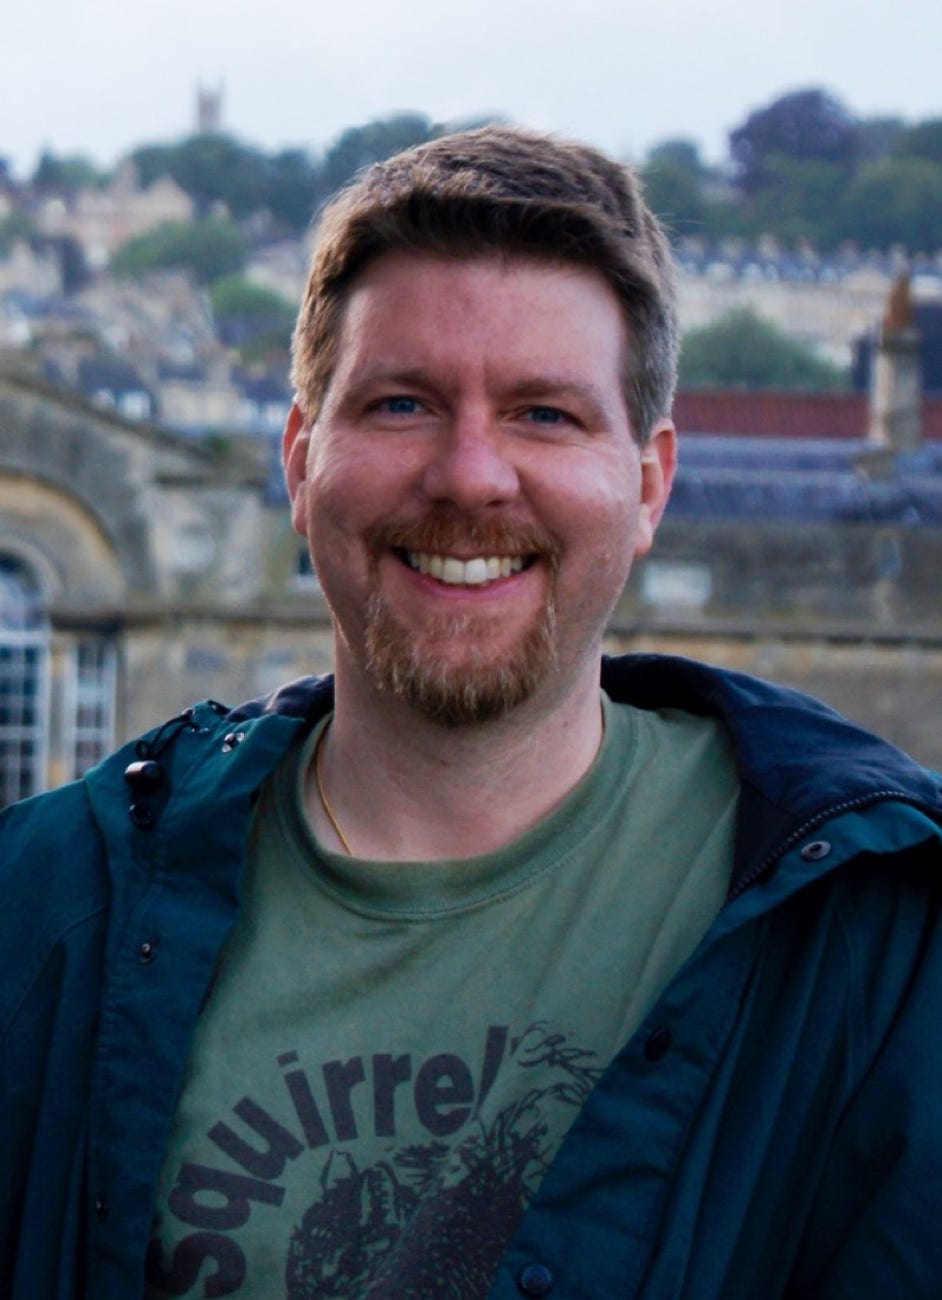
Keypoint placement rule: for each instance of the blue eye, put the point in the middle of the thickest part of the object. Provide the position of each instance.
(545, 415)
(399, 405)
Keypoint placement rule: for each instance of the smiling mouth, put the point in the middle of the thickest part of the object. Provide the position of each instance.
(454, 572)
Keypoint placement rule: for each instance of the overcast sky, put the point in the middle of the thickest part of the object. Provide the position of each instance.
(99, 76)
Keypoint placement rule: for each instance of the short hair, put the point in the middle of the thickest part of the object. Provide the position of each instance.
(500, 190)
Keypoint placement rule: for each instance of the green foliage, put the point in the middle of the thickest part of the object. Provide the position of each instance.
(217, 169)
(804, 124)
(877, 137)
(292, 188)
(64, 175)
(209, 248)
(924, 140)
(211, 168)
(359, 146)
(896, 201)
(16, 226)
(743, 350)
(807, 170)
(673, 178)
(235, 296)
(797, 201)
(681, 153)
(249, 314)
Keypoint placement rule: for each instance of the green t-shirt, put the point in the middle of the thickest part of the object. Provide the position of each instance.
(391, 1053)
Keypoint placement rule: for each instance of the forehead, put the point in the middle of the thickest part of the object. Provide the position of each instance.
(418, 307)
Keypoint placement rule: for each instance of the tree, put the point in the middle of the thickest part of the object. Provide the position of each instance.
(211, 168)
(359, 146)
(209, 248)
(17, 226)
(55, 175)
(743, 350)
(803, 124)
(876, 137)
(248, 313)
(678, 152)
(674, 176)
(292, 188)
(896, 201)
(798, 201)
(924, 140)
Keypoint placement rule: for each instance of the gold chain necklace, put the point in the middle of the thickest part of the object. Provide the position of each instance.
(322, 793)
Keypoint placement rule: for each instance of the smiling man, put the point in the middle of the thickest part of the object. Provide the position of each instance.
(485, 967)
(474, 492)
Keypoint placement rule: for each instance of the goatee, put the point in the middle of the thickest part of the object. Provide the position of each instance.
(446, 669)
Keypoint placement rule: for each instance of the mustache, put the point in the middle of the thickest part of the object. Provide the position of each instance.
(448, 532)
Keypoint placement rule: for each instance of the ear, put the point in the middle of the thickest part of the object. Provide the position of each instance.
(658, 462)
(295, 441)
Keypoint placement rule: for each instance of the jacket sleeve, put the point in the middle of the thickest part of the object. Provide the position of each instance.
(875, 1231)
(52, 925)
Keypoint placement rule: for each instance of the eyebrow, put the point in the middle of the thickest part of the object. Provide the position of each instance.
(378, 373)
(545, 388)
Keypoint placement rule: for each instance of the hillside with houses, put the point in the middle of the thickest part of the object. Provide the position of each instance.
(165, 289)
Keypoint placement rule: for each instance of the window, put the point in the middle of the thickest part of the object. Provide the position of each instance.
(676, 584)
(89, 704)
(24, 681)
(304, 578)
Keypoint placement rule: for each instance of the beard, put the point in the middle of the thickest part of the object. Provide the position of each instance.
(446, 669)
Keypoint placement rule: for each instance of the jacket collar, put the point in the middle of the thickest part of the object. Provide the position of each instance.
(799, 761)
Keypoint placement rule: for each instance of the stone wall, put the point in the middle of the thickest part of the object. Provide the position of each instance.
(890, 684)
(794, 576)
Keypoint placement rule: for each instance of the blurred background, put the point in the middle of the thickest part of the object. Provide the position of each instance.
(160, 166)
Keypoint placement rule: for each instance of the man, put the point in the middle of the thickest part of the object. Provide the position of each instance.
(453, 975)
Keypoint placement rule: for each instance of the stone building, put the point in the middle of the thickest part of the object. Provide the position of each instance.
(101, 219)
(803, 541)
(137, 569)
(828, 302)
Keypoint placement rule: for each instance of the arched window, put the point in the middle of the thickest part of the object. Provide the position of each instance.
(24, 681)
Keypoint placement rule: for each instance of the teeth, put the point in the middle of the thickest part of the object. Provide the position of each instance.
(465, 573)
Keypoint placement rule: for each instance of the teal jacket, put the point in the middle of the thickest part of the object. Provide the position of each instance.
(773, 1129)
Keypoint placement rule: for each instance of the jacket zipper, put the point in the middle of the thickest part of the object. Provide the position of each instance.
(848, 805)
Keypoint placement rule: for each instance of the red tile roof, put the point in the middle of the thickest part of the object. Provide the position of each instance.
(786, 414)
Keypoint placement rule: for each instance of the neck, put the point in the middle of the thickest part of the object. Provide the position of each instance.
(403, 788)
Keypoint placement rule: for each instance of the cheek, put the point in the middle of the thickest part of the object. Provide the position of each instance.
(355, 481)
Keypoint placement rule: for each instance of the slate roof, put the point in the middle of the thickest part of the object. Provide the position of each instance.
(819, 480)
(744, 260)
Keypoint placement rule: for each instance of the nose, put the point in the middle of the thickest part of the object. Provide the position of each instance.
(470, 465)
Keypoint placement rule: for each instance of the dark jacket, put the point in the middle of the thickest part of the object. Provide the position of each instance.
(773, 1129)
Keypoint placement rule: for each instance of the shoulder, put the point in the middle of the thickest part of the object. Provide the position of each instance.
(800, 752)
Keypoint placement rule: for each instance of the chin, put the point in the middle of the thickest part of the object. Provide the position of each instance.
(473, 687)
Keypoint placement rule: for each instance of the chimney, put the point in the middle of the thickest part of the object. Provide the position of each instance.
(896, 376)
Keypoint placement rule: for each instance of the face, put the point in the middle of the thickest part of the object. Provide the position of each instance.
(471, 488)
